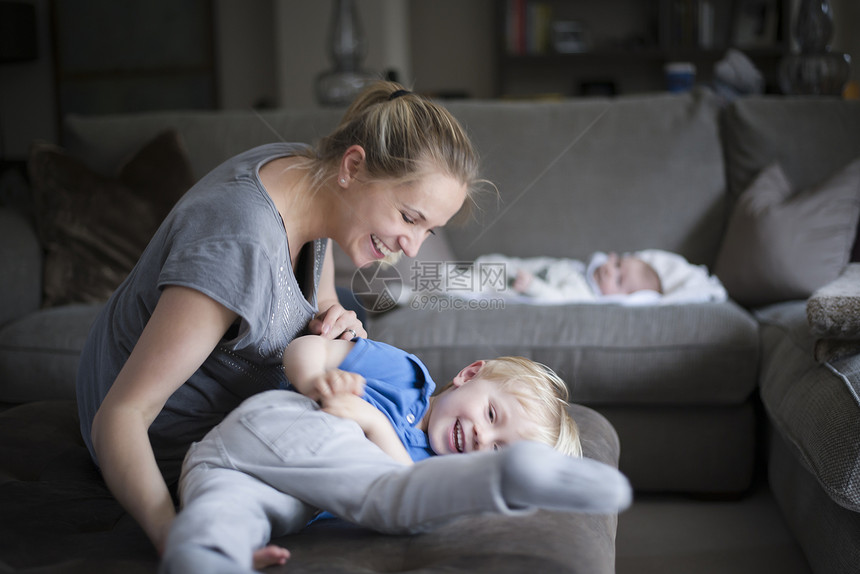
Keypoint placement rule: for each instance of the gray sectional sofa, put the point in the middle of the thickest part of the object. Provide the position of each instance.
(701, 395)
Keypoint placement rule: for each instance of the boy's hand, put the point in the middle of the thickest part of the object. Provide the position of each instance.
(350, 406)
(373, 423)
(335, 382)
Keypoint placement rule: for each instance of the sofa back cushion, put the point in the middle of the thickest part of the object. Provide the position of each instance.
(574, 176)
(812, 138)
(210, 137)
(813, 142)
(583, 175)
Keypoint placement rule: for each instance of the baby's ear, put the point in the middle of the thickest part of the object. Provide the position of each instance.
(468, 373)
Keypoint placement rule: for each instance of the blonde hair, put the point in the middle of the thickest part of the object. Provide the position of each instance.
(544, 396)
(404, 136)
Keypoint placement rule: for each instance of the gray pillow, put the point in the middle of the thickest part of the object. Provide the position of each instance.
(780, 245)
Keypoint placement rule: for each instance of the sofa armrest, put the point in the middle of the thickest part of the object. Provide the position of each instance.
(20, 266)
(833, 313)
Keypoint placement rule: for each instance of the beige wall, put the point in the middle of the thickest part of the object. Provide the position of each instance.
(435, 46)
(301, 40)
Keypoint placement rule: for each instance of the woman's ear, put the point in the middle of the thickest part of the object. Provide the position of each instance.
(350, 164)
(468, 373)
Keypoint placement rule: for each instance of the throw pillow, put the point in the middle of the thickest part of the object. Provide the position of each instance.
(780, 246)
(94, 228)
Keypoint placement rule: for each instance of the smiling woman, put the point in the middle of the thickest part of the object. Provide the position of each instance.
(393, 220)
(240, 267)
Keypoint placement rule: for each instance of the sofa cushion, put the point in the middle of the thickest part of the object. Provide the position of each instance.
(39, 353)
(815, 407)
(827, 533)
(781, 245)
(664, 446)
(698, 354)
(56, 515)
(94, 228)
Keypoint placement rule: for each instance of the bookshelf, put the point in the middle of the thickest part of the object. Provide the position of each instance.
(594, 47)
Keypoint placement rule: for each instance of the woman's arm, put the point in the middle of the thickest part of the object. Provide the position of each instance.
(333, 321)
(182, 331)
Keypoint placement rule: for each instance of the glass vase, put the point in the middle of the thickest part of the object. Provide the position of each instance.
(815, 70)
(339, 86)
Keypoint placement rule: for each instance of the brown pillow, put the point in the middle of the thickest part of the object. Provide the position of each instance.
(94, 228)
(781, 246)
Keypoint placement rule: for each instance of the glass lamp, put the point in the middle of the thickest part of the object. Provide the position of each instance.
(815, 70)
(339, 86)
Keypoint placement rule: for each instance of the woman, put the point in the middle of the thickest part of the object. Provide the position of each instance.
(240, 267)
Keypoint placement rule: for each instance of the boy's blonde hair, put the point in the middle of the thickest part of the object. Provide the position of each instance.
(544, 396)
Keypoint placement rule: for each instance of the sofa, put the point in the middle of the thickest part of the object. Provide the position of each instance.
(694, 398)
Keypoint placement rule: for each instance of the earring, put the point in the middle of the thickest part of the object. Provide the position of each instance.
(343, 181)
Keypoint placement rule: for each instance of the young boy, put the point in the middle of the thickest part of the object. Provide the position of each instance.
(280, 456)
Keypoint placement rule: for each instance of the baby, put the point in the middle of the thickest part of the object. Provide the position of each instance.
(647, 276)
(605, 275)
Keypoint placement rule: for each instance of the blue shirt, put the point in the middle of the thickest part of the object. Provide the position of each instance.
(399, 385)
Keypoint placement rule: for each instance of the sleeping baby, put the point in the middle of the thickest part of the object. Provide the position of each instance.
(648, 276)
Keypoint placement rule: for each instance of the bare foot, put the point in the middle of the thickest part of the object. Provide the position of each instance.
(270, 555)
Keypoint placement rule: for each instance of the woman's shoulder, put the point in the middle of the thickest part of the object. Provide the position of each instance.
(269, 151)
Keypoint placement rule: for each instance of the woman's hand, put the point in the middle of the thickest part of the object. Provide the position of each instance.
(335, 322)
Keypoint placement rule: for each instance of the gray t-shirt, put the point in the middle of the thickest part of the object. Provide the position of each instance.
(226, 239)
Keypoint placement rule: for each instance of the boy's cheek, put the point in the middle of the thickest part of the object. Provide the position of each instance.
(434, 440)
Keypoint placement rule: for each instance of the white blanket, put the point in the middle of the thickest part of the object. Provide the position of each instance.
(562, 281)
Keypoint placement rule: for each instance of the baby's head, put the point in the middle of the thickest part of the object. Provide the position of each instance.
(625, 275)
(490, 404)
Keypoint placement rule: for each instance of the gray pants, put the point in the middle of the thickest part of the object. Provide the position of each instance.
(267, 468)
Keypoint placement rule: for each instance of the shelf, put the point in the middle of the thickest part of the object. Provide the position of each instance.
(610, 55)
(629, 42)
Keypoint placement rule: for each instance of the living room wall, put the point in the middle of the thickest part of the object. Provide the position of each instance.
(268, 53)
(439, 47)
